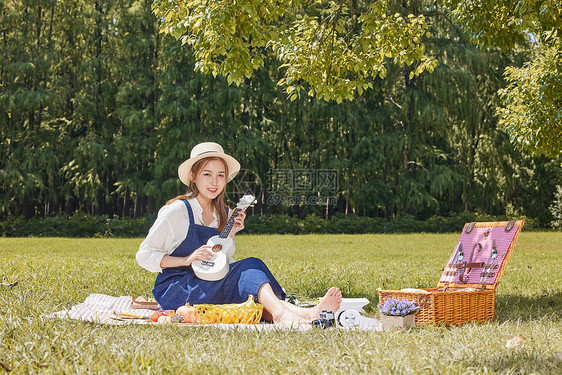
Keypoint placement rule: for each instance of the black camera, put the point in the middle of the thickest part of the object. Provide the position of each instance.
(326, 319)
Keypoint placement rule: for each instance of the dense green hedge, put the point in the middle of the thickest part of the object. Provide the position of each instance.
(103, 226)
(269, 224)
(78, 225)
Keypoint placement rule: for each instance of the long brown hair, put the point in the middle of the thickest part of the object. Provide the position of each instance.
(192, 191)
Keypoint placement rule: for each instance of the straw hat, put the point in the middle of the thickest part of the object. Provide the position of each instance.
(207, 150)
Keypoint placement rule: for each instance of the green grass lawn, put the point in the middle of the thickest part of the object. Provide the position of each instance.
(54, 273)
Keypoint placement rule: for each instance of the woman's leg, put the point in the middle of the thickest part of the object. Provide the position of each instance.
(275, 310)
(283, 312)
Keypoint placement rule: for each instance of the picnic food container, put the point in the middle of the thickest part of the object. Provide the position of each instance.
(466, 291)
(248, 312)
(144, 303)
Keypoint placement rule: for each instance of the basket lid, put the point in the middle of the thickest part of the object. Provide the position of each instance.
(480, 255)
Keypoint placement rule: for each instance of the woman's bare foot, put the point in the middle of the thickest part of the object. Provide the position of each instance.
(284, 313)
(330, 302)
(288, 318)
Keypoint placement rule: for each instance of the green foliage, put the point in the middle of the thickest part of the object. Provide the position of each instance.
(556, 209)
(507, 23)
(332, 46)
(331, 49)
(353, 224)
(97, 110)
(78, 225)
(533, 104)
(532, 100)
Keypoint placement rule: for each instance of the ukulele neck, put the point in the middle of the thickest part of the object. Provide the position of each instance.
(230, 223)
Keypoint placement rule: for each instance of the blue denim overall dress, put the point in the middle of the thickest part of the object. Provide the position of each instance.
(176, 286)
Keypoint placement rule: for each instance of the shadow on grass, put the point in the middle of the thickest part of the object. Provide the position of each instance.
(526, 308)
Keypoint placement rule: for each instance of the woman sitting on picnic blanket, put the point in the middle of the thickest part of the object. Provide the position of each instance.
(179, 235)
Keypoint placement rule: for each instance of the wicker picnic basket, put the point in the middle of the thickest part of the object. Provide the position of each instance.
(466, 291)
(248, 312)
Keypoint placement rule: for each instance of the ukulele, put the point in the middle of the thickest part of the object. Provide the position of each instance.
(222, 245)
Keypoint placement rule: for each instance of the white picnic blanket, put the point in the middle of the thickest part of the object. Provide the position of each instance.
(101, 308)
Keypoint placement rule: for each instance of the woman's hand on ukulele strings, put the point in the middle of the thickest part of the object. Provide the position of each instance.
(202, 253)
(238, 223)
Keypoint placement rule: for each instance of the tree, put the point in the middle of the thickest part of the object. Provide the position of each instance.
(532, 102)
(29, 167)
(136, 101)
(328, 48)
(331, 48)
(97, 109)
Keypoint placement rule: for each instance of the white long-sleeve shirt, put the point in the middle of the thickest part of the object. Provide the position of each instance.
(168, 232)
